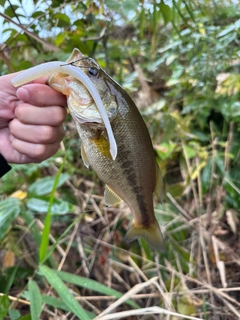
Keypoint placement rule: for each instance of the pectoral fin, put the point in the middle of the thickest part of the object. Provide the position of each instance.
(84, 157)
(159, 188)
(151, 234)
(110, 197)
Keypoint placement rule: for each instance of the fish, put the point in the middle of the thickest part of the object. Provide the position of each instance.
(134, 176)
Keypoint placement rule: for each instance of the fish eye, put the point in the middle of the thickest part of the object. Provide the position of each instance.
(93, 72)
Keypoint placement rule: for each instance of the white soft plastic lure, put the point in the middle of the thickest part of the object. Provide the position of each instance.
(58, 66)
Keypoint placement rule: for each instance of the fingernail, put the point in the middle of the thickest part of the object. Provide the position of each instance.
(23, 94)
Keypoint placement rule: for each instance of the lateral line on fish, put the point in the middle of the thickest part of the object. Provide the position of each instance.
(59, 66)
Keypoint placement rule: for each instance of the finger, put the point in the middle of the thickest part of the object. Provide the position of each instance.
(41, 95)
(39, 134)
(29, 114)
(10, 153)
(37, 152)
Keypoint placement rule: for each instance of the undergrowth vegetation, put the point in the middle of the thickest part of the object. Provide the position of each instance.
(62, 253)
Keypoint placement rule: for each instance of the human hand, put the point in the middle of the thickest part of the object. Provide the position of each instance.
(31, 120)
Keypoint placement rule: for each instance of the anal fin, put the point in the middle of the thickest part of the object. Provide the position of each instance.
(110, 197)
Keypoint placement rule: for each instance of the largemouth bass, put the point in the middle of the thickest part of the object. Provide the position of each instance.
(134, 175)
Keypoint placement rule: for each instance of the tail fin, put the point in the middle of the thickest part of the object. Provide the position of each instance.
(151, 234)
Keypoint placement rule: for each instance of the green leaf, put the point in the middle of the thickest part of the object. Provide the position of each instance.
(64, 292)
(9, 11)
(78, 23)
(4, 305)
(166, 12)
(56, 3)
(165, 149)
(45, 185)
(60, 38)
(41, 206)
(190, 152)
(51, 301)
(26, 317)
(14, 314)
(206, 175)
(9, 277)
(54, 302)
(37, 14)
(171, 45)
(64, 20)
(63, 17)
(9, 210)
(227, 30)
(92, 285)
(35, 300)
(25, 64)
(185, 305)
(220, 163)
(176, 189)
(235, 109)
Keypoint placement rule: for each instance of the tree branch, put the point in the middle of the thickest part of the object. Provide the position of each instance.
(45, 44)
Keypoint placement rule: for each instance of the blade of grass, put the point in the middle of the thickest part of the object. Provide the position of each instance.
(63, 291)
(144, 311)
(53, 247)
(53, 302)
(30, 220)
(45, 235)
(92, 285)
(35, 300)
(10, 279)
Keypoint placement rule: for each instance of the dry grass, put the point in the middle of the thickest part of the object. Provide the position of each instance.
(209, 290)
